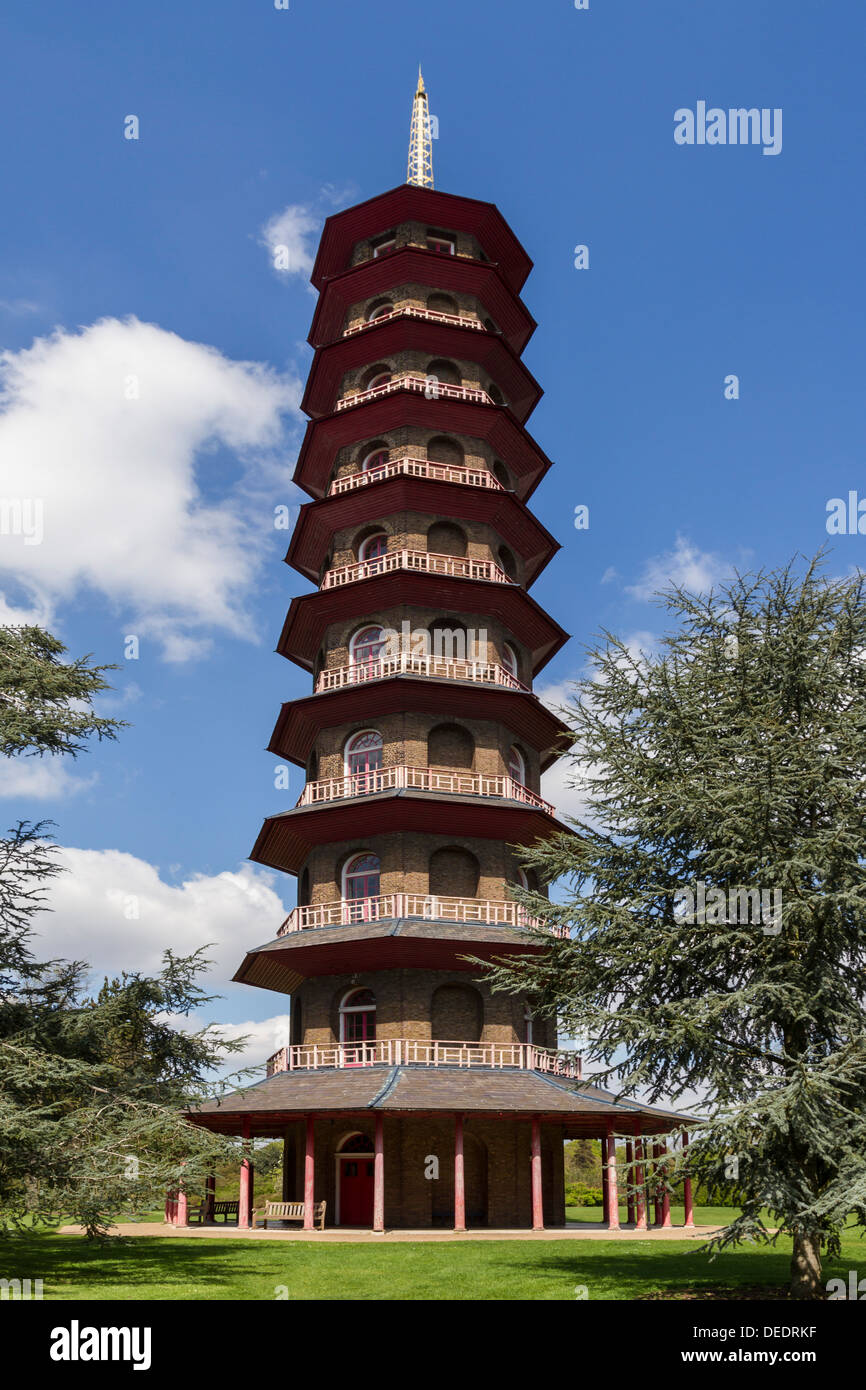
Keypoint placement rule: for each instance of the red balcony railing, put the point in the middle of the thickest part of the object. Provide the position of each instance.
(409, 311)
(419, 562)
(425, 779)
(416, 468)
(429, 907)
(424, 1052)
(405, 663)
(422, 385)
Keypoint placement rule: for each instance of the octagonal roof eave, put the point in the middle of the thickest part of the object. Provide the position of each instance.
(408, 203)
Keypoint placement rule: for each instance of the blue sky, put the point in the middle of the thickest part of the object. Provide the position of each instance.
(146, 258)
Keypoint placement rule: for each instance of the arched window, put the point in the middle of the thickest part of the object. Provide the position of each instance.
(364, 760)
(516, 765)
(509, 659)
(443, 242)
(445, 372)
(375, 376)
(379, 310)
(358, 1017)
(366, 650)
(528, 1020)
(361, 886)
(508, 562)
(384, 245)
(522, 879)
(495, 394)
(375, 547)
(375, 459)
(355, 1144)
(444, 538)
(501, 474)
(441, 449)
(453, 872)
(443, 304)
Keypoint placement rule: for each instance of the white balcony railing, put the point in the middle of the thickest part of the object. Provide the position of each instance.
(425, 779)
(416, 468)
(409, 311)
(429, 907)
(406, 663)
(422, 385)
(419, 562)
(424, 1052)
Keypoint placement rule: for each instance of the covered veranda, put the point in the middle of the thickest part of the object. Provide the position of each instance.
(637, 1143)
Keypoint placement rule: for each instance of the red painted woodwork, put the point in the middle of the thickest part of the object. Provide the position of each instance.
(309, 1172)
(494, 425)
(356, 1190)
(310, 614)
(285, 840)
(459, 1176)
(498, 508)
(522, 713)
(640, 1195)
(440, 340)
(408, 203)
(417, 265)
(537, 1191)
(245, 1203)
(629, 1159)
(379, 1174)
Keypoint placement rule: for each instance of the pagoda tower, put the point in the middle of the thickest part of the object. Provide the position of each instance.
(409, 1094)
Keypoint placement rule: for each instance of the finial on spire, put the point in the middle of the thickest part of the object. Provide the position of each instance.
(420, 140)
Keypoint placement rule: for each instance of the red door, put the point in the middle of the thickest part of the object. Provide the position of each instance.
(356, 1190)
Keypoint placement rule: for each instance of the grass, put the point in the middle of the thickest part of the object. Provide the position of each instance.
(148, 1268)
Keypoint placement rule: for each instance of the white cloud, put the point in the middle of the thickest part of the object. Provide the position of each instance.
(116, 912)
(122, 480)
(287, 238)
(43, 779)
(263, 1037)
(685, 565)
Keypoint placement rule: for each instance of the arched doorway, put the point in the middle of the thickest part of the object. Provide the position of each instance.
(355, 1181)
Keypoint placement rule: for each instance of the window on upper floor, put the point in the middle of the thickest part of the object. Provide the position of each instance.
(442, 242)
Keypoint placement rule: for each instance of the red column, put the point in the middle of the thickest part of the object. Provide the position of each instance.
(629, 1158)
(537, 1198)
(687, 1188)
(459, 1177)
(640, 1195)
(309, 1174)
(657, 1192)
(244, 1193)
(605, 1196)
(182, 1208)
(379, 1174)
(666, 1196)
(611, 1190)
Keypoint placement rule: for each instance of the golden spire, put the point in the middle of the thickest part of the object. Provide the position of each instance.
(420, 140)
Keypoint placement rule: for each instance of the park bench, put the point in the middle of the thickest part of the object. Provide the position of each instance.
(226, 1211)
(288, 1211)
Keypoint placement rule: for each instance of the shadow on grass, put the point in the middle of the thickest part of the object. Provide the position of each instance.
(175, 1269)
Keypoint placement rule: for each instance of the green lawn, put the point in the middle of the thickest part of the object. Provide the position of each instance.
(192, 1270)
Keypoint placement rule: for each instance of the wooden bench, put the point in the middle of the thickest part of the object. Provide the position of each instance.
(227, 1211)
(288, 1211)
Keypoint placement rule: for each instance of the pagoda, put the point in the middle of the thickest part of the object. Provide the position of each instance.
(409, 1095)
